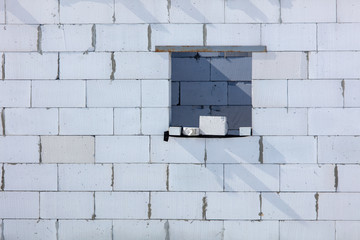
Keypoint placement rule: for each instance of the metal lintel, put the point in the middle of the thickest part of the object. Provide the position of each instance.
(210, 48)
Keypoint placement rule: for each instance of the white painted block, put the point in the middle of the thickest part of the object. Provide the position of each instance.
(334, 121)
(123, 205)
(298, 230)
(351, 96)
(196, 230)
(255, 230)
(52, 93)
(175, 131)
(18, 38)
(15, 93)
(289, 149)
(232, 34)
(85, 66)
(233, 206)
(19, 205)
(177, 150)
(32, 12)
(251, 177)
(289, 37)
(213, 125)
(142, 11)
(315, 93)
(288, 206)
(176, 205)
(80, 229)
(339, 149)
(29, 229)
(40, 177)
(123, 37)
(196, 11)
(86, 121)
(256, 11)
(346, 176)
(140, 177)
(338, 36)
(122, 93)
(31, 66)
(176, 34)
(303, 11)
(16, 149)
(279, 65)
(142, 65)
(2, 18)
(26, 121)
(67, 149)
(347, 230)
(86, 12)
(85, 177)
(244, 131)
(191, 131)
(154, 121)
(347, 11)
(231, 150)
(155, 93)
(66, 38)
(307, 177)
(279, 121)
(66, 205)
(139, 229)
(339, 206)
(126, 121)
(269, 93)
(129, 149)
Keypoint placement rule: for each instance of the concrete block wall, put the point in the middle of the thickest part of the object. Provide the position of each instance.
(85, 99)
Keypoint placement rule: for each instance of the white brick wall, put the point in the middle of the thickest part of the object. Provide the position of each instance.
(15, 93)
(261, 230)
(269, 93)
(138, 229)
(339, 149)
(347, 11)
(322, 230)
(23, 205)
(347, 230)
(122, 118)
(196, 230)
(340, 206)
(18, 38)
(29, 229)
(74, 229)
(346, 176)
(232, 34)
(18, 149)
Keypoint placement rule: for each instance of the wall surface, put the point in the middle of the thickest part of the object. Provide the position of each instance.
(84, 101)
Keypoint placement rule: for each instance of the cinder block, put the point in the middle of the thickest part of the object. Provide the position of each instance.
(176, 205)
(86, 12)
(338, 36)
(279, 65)
(2, 18)
(347, 11)
(67, 149)
(19, 149)
(232, 206)
(139, 229)
(80, 229)
(306, 177)
(66, 38)
(177, 150)
(155, 93)
(237, 116)
(124, 93)
(126, 121)
(85, 177)
(289, 206)
(121, 205)
(31, 66)
(190, 69)
(86, 121)
(196, 230)
(339, 206)
(29, 229)
(347, 230)
(239, 93)
(15, 93)
(51, 93)
(203, 93)
(269, 93)
(34, 12)
(308, 11)
(26, 121)
(346, 176)
(313, 93)
(213, 125)
(289, 149)
(245, 131)
(129, 149)
(149, 116)
(231, 69)
(256, 12)
(232, 34)
(339, 149)
(351, 96)
(142, 65)
(188, 116)
(280, 121)
(251, 177)
(140, 177)
(30, 177)
(175, 131)
(66, 205)
(85, 66)
(175, 93)
(19, 205)
(191, 131)
(142, 11)
(131, 37)
(334, 121)
(298, 230)
(260, 230)
(197, 11)
(18, 38)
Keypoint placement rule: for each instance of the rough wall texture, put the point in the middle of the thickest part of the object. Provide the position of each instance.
(84, 100)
